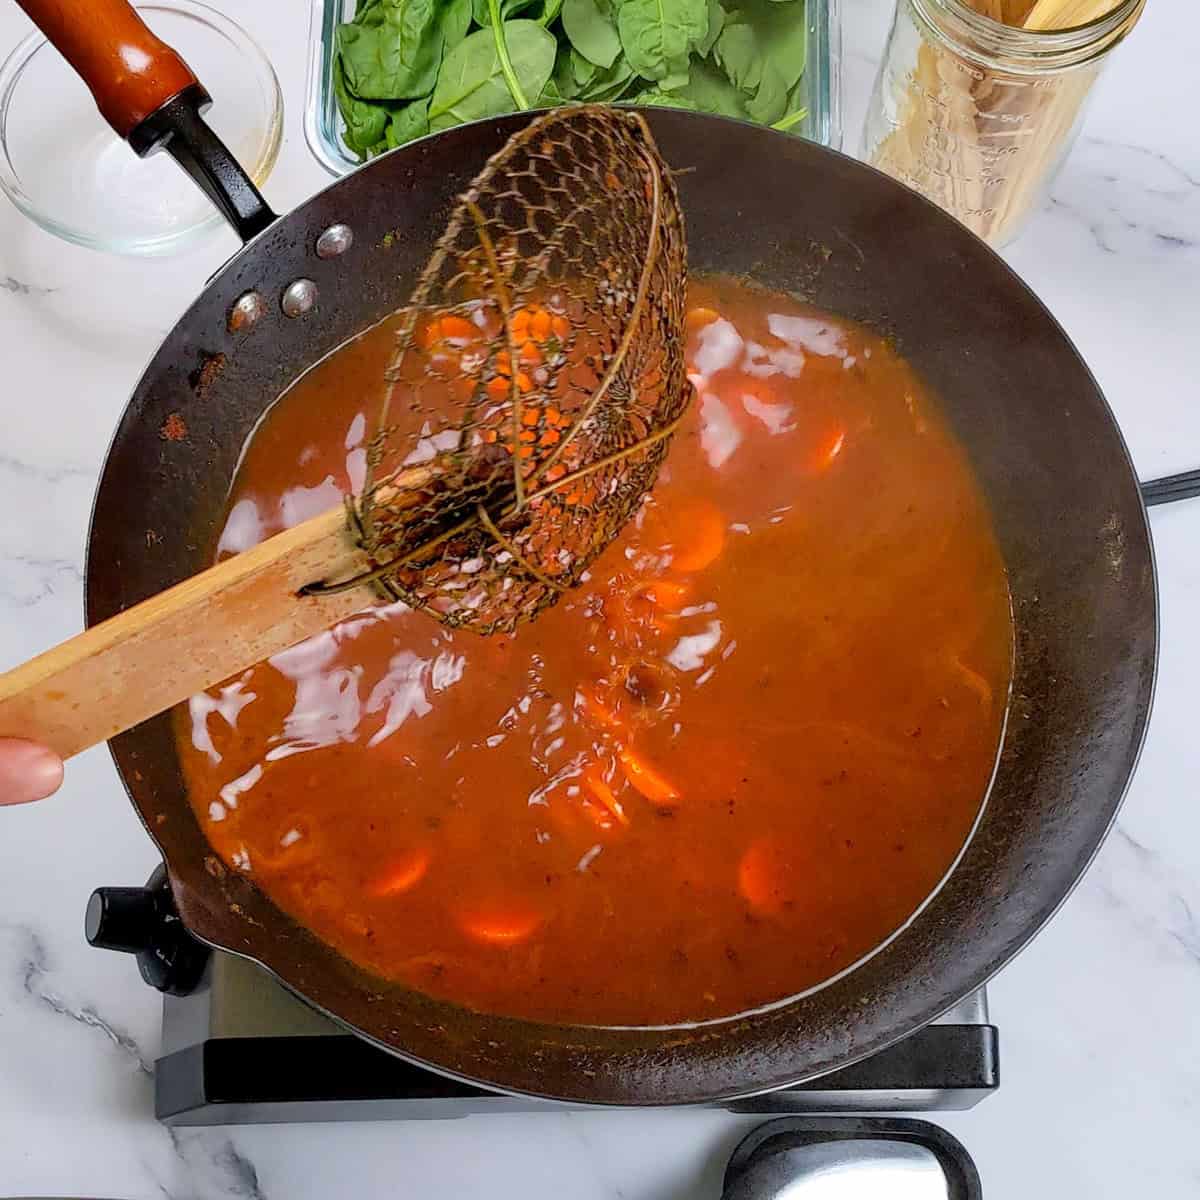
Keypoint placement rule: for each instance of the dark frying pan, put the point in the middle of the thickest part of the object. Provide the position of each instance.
(796, 217)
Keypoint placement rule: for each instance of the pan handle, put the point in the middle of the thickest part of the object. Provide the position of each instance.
(1171, 488)
(151, 97)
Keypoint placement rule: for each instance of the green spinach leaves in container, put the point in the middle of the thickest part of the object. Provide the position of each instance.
(405, 68)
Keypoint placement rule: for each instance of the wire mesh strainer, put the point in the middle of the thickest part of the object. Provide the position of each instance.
(538, 376)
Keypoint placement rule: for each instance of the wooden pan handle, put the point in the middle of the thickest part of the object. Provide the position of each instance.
(186, 639)
(130, 72)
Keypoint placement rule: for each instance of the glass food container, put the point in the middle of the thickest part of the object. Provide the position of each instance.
(979, 116)
(819, 90)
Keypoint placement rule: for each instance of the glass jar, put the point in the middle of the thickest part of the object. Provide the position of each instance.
(978, 116)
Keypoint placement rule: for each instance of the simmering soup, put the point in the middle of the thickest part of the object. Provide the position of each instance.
(722, 771)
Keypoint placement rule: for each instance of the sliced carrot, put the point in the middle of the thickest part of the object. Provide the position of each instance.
(974, 681)
(549, 438)
(692, 532)
(405, 873)
(527, 435)
(698, 317)
(530, 354)
(520, 324)
(457, 328)
(761, 876)
(293, 849)
(599, 816)
(328, 900)
(668, 594)
(541, 325)
(828, 451)
(500, 927)
(444, 364)
(593, 781)
(600, 713)
(555, 472)
(503, 366)
(647, 780)
(560, 327)
(498, 387)
(701, 537)
(529, 416)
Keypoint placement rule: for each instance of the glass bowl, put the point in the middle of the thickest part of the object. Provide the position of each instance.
(63, 167)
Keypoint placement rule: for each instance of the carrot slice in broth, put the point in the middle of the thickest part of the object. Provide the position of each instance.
(760, 878)
(659, 790)
(501, 926)
(405, 873)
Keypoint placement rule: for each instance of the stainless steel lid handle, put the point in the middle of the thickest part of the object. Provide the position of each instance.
(818, 1158)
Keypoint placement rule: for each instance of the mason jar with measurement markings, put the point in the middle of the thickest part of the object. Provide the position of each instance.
(979, 116)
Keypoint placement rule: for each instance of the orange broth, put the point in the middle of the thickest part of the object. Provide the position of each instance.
(722, 771)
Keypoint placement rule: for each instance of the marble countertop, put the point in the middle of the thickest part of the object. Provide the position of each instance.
(1100, 1037)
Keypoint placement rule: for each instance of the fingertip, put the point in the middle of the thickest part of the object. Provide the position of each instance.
(28, 771)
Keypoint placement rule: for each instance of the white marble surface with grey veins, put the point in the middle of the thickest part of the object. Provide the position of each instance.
(1099, 1018)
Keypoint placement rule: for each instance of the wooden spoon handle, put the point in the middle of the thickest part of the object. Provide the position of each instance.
(160, 652)
(130, 71)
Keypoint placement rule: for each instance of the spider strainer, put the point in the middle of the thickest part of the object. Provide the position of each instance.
(537, 379)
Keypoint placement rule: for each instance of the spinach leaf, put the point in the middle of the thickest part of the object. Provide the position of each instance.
(675, 80)
(657, 99)
(796, 112)
(769, 103)
(761, 36)
(500, 37)
(410, 122)
(471, 84)
(550, 10)
(562, 80)
(583, 71)
(395, 56)
(508, 8)
(369, 12)
(607, 86)
(707, 91)
(716, 22)
(456, 21)
(589, 25)
(658, 35)
(365, 122)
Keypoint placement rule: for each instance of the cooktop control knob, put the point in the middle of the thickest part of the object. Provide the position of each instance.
(143, 922)
(121, 918)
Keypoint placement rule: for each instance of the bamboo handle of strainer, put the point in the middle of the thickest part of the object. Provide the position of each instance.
(188, 638)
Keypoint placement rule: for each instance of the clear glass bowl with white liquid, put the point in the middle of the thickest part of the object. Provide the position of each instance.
(63, 167)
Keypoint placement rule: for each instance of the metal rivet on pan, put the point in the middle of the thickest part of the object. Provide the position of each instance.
(245, 311)
(299, 297)
(335, 240)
